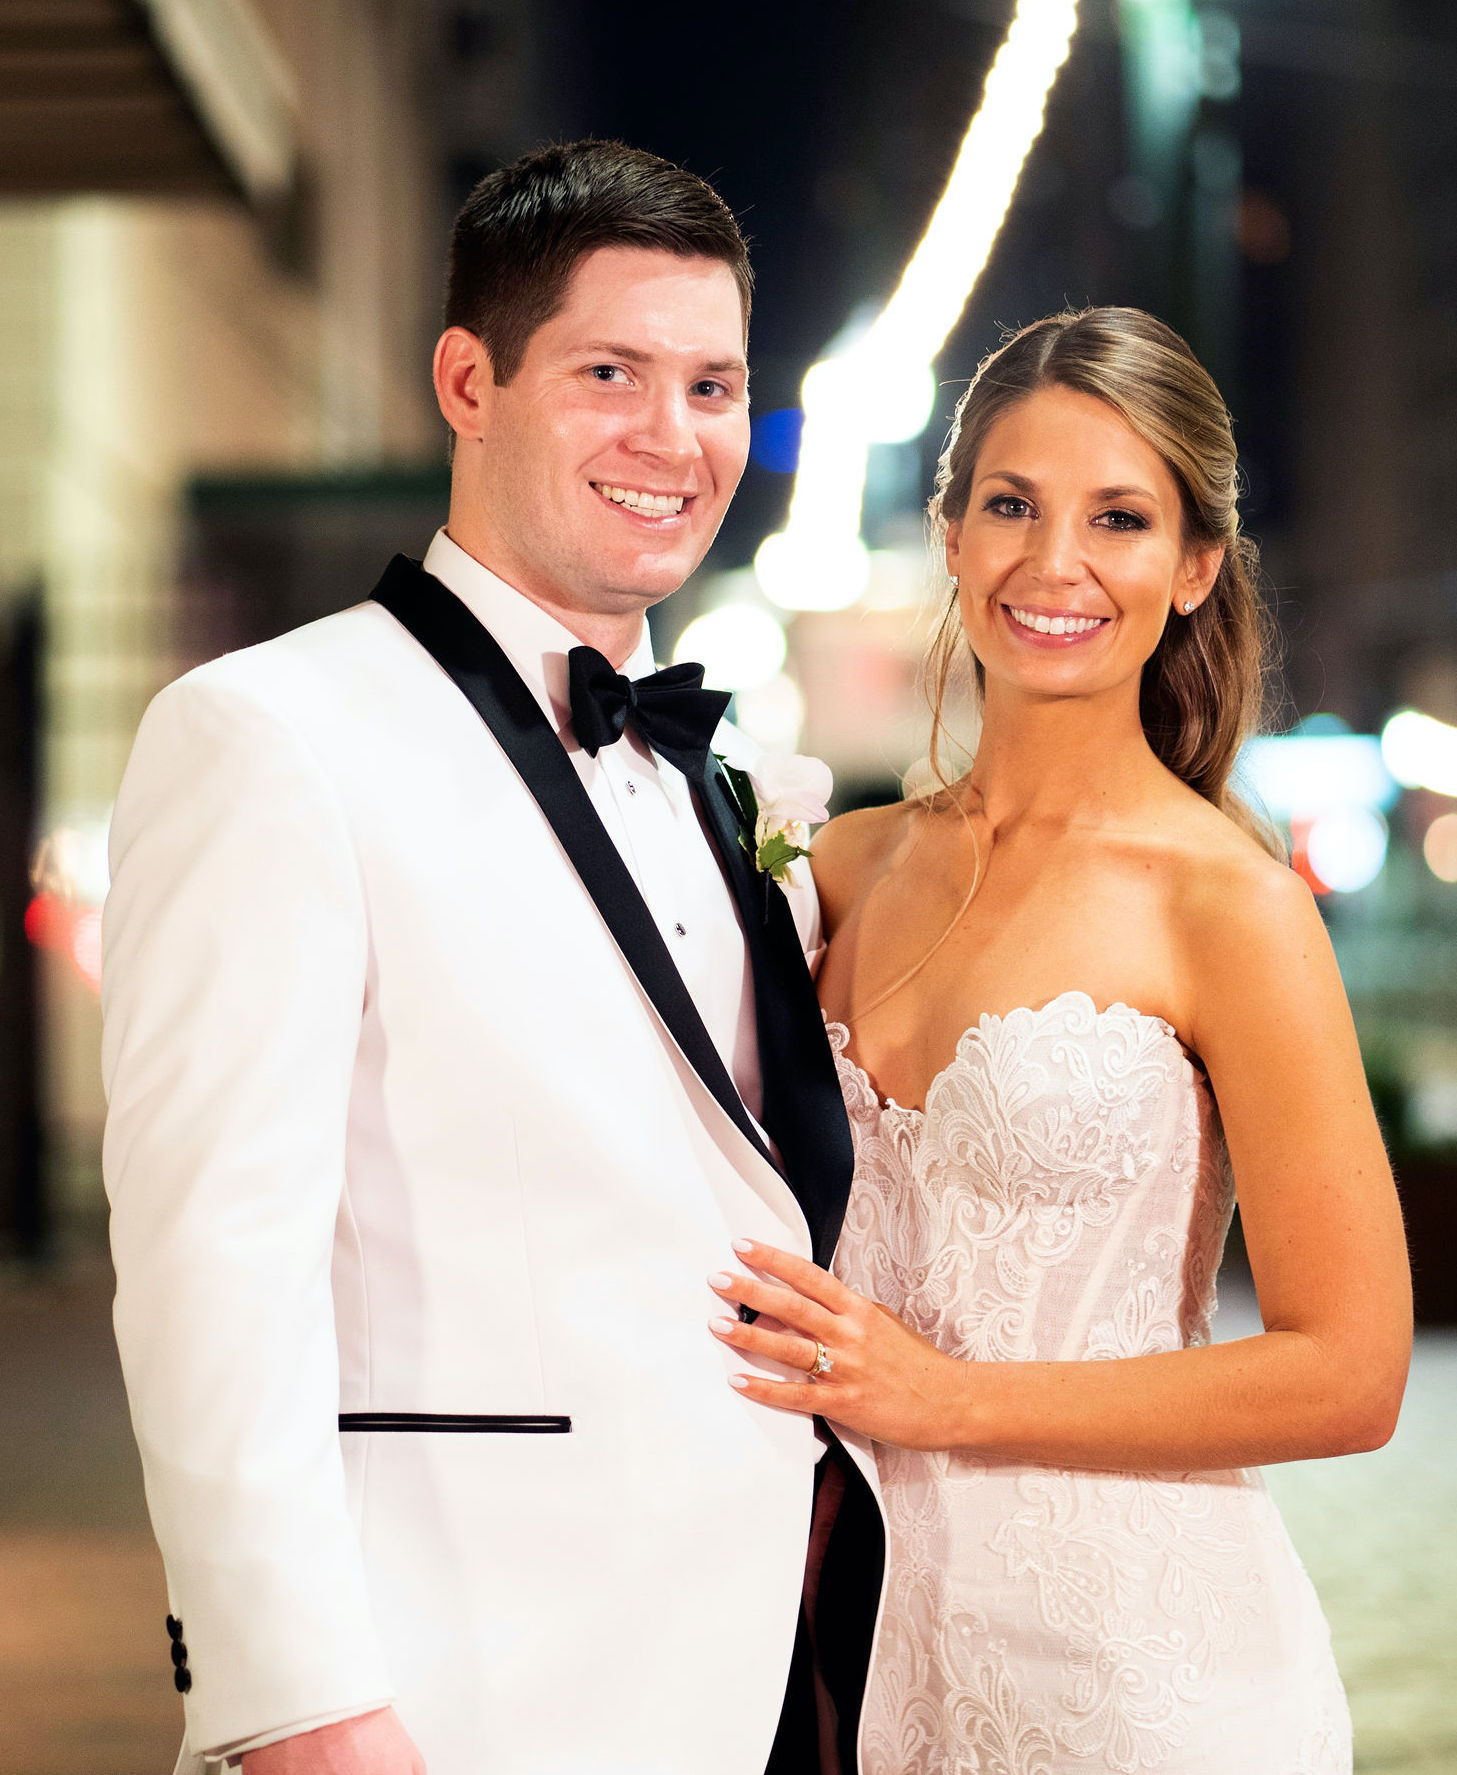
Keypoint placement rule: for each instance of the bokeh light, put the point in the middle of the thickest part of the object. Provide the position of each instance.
(1439, 847)
(813, 570)
(1421, 752)
(738, 645)
(1346, 847)
(772, 714)
(774, 439)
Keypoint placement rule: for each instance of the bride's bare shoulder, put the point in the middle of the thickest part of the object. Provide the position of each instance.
(854, 850)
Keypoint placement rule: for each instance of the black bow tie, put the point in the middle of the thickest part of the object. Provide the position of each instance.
(670, 710)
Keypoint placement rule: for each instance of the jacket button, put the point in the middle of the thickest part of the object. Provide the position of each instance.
(179, 1654)
(183, 1680)
(174, 1627)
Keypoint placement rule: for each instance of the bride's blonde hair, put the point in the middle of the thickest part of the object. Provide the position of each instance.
(1203, 687)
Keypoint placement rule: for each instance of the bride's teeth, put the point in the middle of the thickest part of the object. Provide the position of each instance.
(1055, 625)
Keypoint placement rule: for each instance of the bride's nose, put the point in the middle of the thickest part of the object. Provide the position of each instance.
(1055, 557)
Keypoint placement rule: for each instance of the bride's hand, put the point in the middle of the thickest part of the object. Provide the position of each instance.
(887, 1381)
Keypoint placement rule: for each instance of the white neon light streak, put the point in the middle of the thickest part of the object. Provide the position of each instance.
(881, 388)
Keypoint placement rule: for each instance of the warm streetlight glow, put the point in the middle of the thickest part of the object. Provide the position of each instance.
(877, 388)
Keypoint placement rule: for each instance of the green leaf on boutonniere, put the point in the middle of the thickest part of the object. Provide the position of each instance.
(743, 787)
(776, 853)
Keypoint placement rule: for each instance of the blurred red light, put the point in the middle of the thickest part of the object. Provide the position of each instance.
(1300, 860)
(73, 931)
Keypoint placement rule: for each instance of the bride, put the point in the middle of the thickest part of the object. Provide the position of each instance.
(1071, 992)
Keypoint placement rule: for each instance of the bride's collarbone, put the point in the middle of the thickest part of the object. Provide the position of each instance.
(905, 1020)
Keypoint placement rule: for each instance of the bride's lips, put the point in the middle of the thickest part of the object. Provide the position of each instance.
(1088, 625)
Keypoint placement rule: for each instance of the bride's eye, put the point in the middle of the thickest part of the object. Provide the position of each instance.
(1008, 505)
(1120, 519)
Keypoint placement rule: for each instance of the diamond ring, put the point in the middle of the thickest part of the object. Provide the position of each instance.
(823, 1361)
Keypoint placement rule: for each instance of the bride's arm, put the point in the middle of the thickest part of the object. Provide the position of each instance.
(1322, 1226)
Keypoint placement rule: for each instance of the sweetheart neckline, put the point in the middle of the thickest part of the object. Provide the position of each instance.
(990, 1019)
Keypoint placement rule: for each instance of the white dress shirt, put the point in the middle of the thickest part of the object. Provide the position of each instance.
(647, 807)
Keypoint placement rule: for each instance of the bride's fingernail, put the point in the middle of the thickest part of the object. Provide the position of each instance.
(719, 1279)
(743, 1246)
(723, 1326)
(739, 1380)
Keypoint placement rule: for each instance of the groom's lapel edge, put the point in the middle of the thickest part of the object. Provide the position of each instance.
(747, 884)
(474, 660)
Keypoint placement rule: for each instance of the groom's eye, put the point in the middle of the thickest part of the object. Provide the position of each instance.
(606, 372)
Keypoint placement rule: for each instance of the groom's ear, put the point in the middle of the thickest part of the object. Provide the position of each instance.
(464, 380)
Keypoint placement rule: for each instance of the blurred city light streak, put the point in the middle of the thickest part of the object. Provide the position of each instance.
(880, 388)
(1300, 775)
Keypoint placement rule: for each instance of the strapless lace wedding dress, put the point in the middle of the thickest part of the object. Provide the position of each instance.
(1064, 1196)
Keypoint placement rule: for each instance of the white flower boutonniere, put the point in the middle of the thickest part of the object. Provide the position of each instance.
(781, 798)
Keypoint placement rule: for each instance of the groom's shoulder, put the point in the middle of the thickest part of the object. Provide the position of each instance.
(306, 672)
(315, 691)
(329, 647)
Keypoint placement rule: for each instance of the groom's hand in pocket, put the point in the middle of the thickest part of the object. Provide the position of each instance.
(370, 1744)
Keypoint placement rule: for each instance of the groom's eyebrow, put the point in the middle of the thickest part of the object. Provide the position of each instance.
(633, 354)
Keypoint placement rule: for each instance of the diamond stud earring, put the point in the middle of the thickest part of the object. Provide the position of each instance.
(1188, 607)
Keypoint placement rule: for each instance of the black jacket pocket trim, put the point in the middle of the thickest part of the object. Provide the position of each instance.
(460, 1423)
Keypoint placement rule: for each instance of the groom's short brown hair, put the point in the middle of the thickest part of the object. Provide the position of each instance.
(521, 231)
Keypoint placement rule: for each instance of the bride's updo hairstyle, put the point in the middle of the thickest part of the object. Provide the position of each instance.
(1203, 686)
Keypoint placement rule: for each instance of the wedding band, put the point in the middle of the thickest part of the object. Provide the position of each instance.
(823, 1361)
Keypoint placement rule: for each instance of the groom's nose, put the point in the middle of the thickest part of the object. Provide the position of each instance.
(666, 428)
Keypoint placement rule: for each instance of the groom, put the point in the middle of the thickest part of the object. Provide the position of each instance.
(450, 1039)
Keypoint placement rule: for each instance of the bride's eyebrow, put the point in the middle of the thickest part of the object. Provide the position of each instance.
(1125, 493)
(1023, 483)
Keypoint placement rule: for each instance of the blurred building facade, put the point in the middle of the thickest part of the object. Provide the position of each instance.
(218, 239)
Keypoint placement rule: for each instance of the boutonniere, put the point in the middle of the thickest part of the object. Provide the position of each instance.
(779, 800)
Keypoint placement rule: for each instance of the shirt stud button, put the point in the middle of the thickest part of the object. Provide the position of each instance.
(680, 930)
(631, 787)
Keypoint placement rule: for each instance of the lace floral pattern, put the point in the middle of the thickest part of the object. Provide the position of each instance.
(1064, 1196)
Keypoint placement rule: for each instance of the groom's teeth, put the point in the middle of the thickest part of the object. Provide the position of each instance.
(665, 503)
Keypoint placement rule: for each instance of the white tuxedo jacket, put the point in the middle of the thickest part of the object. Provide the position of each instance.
(413, 1201)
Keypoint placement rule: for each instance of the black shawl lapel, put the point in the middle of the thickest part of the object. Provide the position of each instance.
(472, 657)
(804, 1110)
